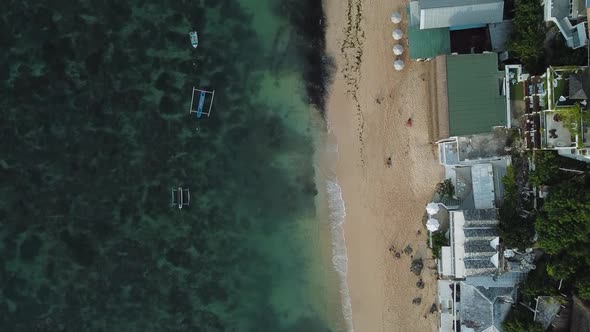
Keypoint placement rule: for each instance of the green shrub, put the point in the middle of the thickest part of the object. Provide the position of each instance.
(516, 231)
(546, 168)
(438, 240)
(526, 40)
(446, 188)
(510, 186)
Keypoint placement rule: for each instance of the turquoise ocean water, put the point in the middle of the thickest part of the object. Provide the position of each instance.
(95, 131)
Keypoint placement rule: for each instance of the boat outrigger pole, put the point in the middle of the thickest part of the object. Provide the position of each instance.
(203, 95)
(180, 197)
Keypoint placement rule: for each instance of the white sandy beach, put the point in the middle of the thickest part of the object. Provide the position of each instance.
(368, 107)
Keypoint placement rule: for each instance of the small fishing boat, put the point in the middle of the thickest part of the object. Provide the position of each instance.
(202, 107)
(194, 38)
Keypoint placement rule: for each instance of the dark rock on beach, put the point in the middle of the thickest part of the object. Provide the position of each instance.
(417, 266)
(420, 284)
(408, 250)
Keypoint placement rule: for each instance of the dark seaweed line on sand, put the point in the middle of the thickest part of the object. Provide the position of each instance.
(352, 50)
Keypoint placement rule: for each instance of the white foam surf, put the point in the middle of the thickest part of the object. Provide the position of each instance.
(336, 219)
(339, 257)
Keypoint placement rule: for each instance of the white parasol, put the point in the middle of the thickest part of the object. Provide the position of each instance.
(398, 64)
(495, 242)
(432, 208)
(495, 259)
(432, 225)
(397, 34)
(396, 18)
(398, 49)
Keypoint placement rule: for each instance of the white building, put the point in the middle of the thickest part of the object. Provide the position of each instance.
(474, 245)
(479, 282)
(475, 166)
(563, 13)
(457, 14)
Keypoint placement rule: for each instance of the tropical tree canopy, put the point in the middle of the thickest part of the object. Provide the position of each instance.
(563, 227)
(564, 223)
(528, 33)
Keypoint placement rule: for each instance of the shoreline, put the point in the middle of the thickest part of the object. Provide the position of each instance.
(367, 107)
(331, 215)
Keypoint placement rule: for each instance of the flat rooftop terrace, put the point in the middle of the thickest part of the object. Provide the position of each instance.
(483, 146)
(464, 149)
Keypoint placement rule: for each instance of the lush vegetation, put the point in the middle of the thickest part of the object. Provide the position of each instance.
(526, 41)
(563, 227)
(516, 325)
(563, 222)
(571, 117)
(438, 240)
(537, 283)
(446, 188)
(557, 53)
(546, 168)
(521, 320)
(530, 44)
(516, 227)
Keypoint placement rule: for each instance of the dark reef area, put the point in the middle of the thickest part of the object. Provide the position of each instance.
(94, 100)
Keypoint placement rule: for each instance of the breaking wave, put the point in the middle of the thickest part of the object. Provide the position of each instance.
(337, 215)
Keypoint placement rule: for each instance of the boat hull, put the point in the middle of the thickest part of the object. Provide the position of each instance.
(194, 38)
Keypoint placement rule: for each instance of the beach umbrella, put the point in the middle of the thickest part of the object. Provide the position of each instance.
(432, 225)
(398, 49)
(432, 208)
(495, 259)
(396, 18)
(398, 64)
(495, 242)
(397, 34)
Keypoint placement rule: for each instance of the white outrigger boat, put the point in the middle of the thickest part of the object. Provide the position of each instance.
(194, 38)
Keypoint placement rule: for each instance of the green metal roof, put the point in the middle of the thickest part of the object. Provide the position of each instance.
(475, 96)
(426, 43)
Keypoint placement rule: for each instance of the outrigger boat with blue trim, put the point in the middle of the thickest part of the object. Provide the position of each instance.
(201, 109)
(194, 38)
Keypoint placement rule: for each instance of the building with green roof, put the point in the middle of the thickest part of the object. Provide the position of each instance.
(426, 43)
(475, 94)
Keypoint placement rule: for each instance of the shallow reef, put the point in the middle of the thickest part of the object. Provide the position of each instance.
(94, 97)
